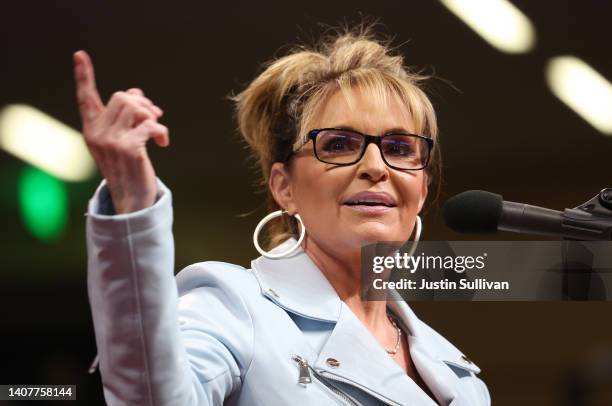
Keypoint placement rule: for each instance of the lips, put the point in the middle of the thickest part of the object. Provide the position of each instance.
(370, 199)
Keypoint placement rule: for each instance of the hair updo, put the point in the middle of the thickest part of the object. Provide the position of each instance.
(276, 109)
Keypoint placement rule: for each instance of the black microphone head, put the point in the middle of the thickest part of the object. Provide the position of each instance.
(474, 211)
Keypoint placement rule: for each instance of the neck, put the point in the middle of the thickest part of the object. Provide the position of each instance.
(343, 271)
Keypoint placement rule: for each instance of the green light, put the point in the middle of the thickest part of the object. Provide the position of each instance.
(43, 201)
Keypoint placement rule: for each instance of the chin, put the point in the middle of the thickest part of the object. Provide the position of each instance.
(374, 233)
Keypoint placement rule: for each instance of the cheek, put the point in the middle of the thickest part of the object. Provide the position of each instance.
(314, 188)
(410, 188)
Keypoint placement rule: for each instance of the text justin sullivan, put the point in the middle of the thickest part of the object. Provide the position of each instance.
(445, 284)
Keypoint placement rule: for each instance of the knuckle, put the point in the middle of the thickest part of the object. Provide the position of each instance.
(122, 94)
(149, 124)
(119, 96)
(157, 128)
(142, 100)
(142, 113)
(131, 110)
(134, 105)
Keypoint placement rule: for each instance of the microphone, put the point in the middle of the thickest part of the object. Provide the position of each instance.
(481, 212)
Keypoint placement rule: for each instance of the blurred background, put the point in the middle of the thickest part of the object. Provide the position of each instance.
(524, 106)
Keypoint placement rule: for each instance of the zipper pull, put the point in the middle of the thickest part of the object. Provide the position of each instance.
(304, 371)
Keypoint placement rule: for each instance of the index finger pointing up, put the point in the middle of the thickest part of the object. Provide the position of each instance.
(88, 98)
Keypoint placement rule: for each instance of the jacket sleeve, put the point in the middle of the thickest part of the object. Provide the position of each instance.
(486, 396)
(146, 356)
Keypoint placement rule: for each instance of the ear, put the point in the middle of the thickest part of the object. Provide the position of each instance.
(424, 191)
(281, 187)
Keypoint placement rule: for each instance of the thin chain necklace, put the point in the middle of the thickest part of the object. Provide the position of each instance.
(399, 336)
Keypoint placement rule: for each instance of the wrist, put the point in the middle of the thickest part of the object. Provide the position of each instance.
(128, 200)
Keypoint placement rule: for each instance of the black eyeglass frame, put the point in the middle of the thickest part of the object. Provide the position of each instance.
(375, 139)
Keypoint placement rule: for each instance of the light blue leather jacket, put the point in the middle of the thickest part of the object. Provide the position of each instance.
(222, 334)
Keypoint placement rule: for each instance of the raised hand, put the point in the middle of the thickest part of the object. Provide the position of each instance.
(116, 135)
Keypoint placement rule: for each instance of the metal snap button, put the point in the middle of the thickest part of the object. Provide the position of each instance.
(466, 359)
(332, 362)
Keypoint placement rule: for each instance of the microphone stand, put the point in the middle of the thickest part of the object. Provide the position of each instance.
(592, 220)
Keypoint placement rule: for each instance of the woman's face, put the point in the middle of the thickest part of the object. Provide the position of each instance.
(324, 194)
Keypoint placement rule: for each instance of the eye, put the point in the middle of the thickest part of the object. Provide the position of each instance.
(337, 142)
(398, 146)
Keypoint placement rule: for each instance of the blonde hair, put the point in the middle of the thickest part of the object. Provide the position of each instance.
(278, 106)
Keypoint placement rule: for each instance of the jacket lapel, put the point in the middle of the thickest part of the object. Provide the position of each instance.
(432, 354)
(296, 284)
(364, 363)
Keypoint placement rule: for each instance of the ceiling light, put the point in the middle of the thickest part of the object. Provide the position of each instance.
(498, 22)
(45, 142)
(583, 89)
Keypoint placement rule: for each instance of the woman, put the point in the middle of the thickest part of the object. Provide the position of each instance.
(346, 142)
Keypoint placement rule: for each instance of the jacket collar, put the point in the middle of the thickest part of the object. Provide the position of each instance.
(297, 285)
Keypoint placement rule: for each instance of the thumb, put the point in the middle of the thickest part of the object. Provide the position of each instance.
(88, 97)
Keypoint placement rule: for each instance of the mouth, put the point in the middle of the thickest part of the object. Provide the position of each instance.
(370, 201)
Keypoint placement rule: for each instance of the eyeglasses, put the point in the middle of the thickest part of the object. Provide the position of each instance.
(338, 146)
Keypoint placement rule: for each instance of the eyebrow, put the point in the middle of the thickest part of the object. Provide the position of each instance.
(394, 130)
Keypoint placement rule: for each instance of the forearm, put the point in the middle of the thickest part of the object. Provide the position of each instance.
(133, 298)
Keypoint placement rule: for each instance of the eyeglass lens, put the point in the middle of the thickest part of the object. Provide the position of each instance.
(345, 147)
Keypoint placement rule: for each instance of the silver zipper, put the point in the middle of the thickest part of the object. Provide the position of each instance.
(305, 378)
(332, 377)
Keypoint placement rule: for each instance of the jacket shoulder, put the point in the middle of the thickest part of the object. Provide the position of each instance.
(216, 273)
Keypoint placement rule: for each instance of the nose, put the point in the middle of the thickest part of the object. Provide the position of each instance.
(372, 166)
